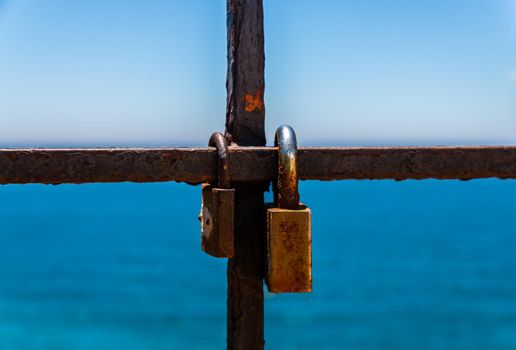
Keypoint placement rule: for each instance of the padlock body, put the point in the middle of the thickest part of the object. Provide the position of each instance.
(289, 250)
(217, 221)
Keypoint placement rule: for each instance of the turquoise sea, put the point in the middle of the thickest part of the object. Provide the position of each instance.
(397, 265)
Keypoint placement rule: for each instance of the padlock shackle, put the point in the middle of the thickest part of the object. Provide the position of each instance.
(286, 192)
(218, 141)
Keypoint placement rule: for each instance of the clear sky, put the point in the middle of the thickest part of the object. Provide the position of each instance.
(113, 72)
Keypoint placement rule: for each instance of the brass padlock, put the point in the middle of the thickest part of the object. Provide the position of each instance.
(218, 207)
(289, 226)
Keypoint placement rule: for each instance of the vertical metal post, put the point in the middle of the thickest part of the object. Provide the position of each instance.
(245, 126)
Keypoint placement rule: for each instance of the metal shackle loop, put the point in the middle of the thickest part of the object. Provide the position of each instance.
(218, 141)
(286, 190)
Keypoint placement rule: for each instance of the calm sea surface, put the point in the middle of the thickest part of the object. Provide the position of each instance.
(397, 265)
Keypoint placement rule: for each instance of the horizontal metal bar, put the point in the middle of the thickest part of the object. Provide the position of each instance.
(197, 165)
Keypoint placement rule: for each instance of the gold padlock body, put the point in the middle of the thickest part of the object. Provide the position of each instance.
(289, 250)
(217, 221)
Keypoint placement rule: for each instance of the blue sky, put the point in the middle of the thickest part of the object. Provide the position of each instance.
(113, 72)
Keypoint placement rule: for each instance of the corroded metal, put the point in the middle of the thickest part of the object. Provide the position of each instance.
(245, 113)
(289, 225)
(245, 126)
(402, 163)
(218, 207)
(217, 221)
(218, 141)
(254, 164)
(286, 188)
(289, 250)
(55, 166)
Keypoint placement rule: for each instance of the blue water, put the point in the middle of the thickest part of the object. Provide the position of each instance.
(396, 265)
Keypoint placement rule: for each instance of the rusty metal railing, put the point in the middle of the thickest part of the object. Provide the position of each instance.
(252, 166)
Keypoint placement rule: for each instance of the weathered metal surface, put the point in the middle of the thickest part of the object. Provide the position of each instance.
(245, 126)
(289, 250)
(54, 166)
(218, 141)
(289, 225)
(245, 115)
(401, 163)
(198, 165)
(286, 193)
(218, 207)
(217, 221)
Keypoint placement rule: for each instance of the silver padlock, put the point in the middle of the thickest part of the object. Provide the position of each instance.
(289, 225)
(218, 207)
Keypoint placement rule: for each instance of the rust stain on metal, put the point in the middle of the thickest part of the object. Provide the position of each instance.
(246, 59)
(254, 102)
(286, 193)
(289, 250)
(253, 164)
(217, 221)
